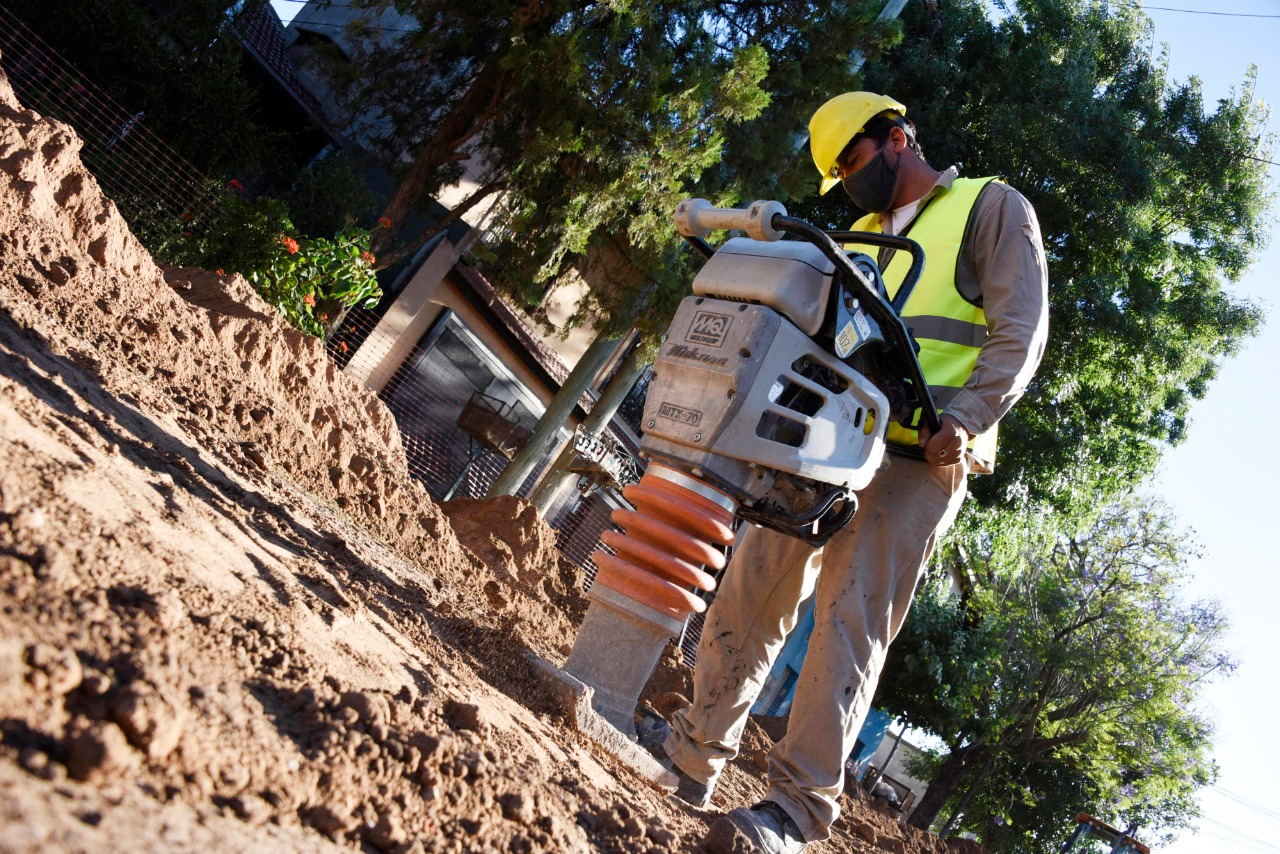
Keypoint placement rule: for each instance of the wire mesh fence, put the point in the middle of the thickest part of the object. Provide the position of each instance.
(428, 394)
(580, 520)
(155, 189)
(351, 334)
(631, 410)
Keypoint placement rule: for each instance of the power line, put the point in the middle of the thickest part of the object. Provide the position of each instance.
(1201, 12)
(1229, 842)
(1245, 802)
(1260, 159)
(1243, 837)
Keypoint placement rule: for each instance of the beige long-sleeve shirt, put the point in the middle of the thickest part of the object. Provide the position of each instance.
(1002, 267)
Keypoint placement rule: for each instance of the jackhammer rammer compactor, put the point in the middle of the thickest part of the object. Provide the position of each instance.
(784, 368)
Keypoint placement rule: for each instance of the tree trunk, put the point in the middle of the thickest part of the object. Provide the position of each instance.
(941, 787)
(594, 425)
(546, 436)
(969, 792)
(409, 247)
(466, 119)
(484, 99)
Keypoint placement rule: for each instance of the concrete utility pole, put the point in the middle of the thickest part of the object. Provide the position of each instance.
(891, 10)
(546, 436)
(870, 785)
(558, 472)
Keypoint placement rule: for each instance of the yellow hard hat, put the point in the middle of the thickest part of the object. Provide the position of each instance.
(838, 121)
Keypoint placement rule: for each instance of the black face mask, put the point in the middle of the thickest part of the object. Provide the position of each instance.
(871, 187)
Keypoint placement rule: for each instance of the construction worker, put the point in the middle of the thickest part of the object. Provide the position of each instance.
(980, 315)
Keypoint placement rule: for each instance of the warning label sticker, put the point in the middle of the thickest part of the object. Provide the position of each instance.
(864, 328)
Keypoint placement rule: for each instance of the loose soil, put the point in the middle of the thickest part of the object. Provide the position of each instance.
(229, 618)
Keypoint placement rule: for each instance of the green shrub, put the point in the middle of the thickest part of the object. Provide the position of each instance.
(314, 282)
(220, 229)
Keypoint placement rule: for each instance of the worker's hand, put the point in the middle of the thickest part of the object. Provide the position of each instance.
(946, 447)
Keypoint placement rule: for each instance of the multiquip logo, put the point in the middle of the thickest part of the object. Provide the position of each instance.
(708, 328)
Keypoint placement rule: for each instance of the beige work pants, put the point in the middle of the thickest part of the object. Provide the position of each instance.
(866, 578)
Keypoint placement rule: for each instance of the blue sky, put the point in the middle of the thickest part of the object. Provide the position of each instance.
(1219, 481)
(286, 9)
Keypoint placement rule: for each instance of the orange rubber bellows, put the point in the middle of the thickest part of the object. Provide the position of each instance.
(670, 536)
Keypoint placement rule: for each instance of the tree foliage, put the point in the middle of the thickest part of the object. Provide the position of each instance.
(1151, 204)
(1066, 681)
(594, 119)
(330, 196)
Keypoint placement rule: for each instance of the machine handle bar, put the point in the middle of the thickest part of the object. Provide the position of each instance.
(767, 220)
(885, 313)
(696, 218)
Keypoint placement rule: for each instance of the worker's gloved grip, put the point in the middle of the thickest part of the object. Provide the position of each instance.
(697, 218)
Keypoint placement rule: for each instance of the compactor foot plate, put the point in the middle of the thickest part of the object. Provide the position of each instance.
(574, 698)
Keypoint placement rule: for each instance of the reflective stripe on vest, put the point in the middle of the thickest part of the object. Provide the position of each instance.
(949, 329)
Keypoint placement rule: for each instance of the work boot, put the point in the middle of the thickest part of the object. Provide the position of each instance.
(651, 732)
(689, 790)
(766, 826)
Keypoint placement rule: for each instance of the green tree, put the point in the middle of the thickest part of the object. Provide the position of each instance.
(1151, 205)
(595, 119)
(1066, 681)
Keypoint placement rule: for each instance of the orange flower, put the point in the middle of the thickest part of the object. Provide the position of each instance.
(368, 258)
(234, 184)
(289, 243)
(310, 300)
(343, 345)
(220, 272)
(384, 222)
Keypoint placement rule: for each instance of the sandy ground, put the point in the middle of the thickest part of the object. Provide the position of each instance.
(230, 620)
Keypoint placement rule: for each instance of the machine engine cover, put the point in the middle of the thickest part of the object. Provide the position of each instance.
(742, 381)
(790, 276)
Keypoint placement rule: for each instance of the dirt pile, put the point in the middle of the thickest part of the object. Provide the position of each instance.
(201, 347)
(538, 595)
(228, 618)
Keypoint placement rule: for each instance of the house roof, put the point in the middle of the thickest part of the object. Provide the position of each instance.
(262, 35)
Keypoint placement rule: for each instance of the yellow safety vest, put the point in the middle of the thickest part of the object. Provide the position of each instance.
(949, 329)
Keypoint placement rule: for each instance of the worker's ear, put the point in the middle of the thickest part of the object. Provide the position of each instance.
(897, 138)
